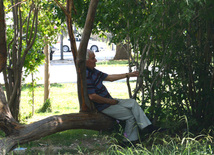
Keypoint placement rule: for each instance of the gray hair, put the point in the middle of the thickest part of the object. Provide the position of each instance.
(87, 53)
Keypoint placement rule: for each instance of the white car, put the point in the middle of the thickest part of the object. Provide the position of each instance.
(95, 46)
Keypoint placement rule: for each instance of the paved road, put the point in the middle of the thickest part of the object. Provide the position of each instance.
(66, 73)
(63, 71)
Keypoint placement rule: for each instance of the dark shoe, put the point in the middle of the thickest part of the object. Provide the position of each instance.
(124, 144)
(129, 143)
(154, 129)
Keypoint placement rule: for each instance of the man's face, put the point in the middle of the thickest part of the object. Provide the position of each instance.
(91, 62)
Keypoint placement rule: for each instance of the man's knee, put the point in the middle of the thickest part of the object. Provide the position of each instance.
(133, 101)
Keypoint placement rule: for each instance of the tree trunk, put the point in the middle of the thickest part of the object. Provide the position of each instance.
(84, 101)
(61, 45)
(47, 73)
(33, 94)
(3, 51)
(121, 52)
(80, 56)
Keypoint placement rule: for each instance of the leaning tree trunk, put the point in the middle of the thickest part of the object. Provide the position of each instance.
(20, 134)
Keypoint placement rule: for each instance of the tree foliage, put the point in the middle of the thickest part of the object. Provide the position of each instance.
(25, 41)
(179, 60)
(172, 46)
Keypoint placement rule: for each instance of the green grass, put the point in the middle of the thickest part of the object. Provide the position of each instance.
(63, 99)
(113, 63)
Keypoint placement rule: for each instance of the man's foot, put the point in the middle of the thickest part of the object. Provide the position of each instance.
(129, 143)
(154, 129)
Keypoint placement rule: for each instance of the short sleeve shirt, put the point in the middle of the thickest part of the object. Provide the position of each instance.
(95, 85)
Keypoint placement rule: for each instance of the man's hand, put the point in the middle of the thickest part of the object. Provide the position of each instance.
(115, 77)
(113, 102)
(99, 99)
(133, 74)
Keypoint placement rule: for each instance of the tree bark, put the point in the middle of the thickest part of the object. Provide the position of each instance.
(121, 52)
(3, 51)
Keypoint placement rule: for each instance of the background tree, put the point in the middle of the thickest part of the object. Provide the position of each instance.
(122, 52)
(28, 31)
(23, 35)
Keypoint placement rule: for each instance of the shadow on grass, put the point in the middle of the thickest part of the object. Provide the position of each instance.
(67, 142)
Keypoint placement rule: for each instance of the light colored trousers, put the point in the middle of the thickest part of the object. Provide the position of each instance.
(129, 110)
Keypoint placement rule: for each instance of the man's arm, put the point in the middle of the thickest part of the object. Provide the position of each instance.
(99, 99)
(115, 77)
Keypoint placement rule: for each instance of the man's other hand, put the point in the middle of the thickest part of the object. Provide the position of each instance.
(113, 102)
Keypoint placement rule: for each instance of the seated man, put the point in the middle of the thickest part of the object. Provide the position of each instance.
(121, 109)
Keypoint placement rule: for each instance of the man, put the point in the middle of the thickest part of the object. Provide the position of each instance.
(121, 109)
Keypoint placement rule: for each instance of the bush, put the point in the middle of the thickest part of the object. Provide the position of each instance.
(46, 107)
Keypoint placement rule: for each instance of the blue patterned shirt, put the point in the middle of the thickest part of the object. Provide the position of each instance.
(95, 85)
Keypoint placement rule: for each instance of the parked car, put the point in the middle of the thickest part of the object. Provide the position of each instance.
(95, 46)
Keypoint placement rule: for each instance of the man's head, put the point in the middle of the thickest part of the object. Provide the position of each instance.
(90, 59)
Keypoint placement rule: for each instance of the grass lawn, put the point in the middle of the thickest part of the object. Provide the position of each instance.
(113, 63)
(63, 99)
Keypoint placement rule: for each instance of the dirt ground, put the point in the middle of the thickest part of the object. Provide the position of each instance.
(90, 146)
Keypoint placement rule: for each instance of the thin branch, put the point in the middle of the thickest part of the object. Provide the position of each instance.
(35, 21)
(141, 64)
(20, 36)
(28, 21)
(17, 4)
(62, 7)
